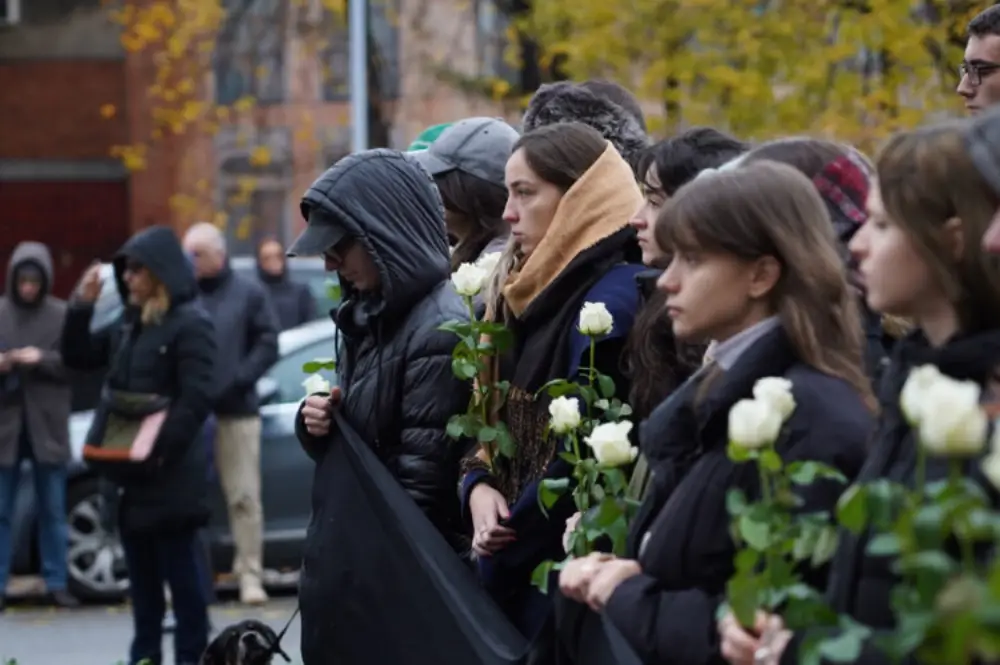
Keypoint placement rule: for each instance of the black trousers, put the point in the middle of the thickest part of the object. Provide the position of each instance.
(176, 559)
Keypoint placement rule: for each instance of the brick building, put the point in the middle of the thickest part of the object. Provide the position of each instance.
(61, 61)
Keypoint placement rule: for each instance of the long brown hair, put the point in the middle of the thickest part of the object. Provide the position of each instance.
(559, 154)
(770, 209)
(481, 203)
(926, 177)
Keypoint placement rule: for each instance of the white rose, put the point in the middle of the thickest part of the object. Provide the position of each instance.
(754, 424)
(595, 319)
(488, 262)
(991, 469)
(951, 422)
(565, 413)
(912, 398)
(469, 279)
(315, 383)
(777, 392)
(611, 444)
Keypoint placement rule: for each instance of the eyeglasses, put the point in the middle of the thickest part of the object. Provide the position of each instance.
(976, 70)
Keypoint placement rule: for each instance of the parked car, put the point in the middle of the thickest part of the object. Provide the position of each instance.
(96, 562)
(108, 308)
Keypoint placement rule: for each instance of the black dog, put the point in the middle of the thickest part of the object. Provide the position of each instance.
(249, 642)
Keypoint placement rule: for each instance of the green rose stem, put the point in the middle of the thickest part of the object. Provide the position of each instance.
(921, 472)
(769, 555)
(483, 391)
(592, 373)
(955, 475)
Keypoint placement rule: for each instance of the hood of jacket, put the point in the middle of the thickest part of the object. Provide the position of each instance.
(159, 250)
(389, 202)
(34, 253)
(568, 102)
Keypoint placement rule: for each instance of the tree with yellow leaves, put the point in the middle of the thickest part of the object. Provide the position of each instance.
(851, 69)
(245, 103)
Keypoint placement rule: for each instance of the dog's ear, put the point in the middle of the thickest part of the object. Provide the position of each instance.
(218, 650)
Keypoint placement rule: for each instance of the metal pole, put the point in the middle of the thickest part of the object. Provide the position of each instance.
(358, 40)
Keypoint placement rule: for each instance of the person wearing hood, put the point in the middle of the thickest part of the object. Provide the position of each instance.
(292, 301)
(246, 330)
(377, 220)
(34, 411)
(467, 161)
(165, 347)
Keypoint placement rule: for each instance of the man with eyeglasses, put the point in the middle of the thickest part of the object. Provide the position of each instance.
(980, 84)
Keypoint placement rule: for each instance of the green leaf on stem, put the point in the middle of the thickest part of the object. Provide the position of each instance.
(770, 460)
(319, 364)
(739, 454)
(504, 441)
(806, 473)
(460, 328)
(487, 434)
(463, 425)
(464, 369)
(736, 502)
(743, 595)
(558, 388)
(501, 389)
(852, 508)
(755, 532)
(550, 490)
(540, 575)
(884, 544)
(607, 386)
(825, 546)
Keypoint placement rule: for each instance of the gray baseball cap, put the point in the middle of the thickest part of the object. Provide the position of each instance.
(477, 146)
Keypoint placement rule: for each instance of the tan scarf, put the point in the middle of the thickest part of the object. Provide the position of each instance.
(598, 205)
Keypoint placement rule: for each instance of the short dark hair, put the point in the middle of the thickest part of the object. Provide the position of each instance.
(616, 94)
(679, 159)
(986, 22)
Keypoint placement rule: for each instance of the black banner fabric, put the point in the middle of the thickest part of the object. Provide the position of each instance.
(381, 586)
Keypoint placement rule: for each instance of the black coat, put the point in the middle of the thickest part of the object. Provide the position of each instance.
(861, 585)
(292, 301)
(173, 358)
(393, 362)
(681, 536)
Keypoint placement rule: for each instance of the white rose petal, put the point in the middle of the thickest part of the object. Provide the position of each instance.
(777, 392)
(611, 444)
(565, 414)
(754, 424)
(469, 279)
(952, 423)
(315, 383)
(991, 469)
(912, 398)
(595, 319)
(488, 262)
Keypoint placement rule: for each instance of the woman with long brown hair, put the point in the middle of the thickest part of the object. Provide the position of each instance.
(920, 257)
(570, 195)
(755, 269)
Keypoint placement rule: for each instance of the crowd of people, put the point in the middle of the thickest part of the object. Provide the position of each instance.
(207, 356)
(720, 261)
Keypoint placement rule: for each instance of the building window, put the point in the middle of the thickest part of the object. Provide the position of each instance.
(491, 41)
(250, 52)
(255, 179)
(10, 12)
(383, 49)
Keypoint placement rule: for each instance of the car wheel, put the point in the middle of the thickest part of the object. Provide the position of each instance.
(97, 570)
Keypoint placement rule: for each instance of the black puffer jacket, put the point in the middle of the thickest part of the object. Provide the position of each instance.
(394, 363)
(173, 358)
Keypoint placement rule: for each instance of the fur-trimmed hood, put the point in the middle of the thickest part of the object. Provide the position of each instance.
(568, 102)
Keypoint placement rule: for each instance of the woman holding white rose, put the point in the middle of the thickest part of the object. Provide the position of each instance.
(920, 257)
(755, 268)
(570, 198)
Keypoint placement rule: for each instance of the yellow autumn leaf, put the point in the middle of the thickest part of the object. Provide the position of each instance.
(244, 227)
(260, 156)
(220, 219)
(108, 111)
(243, 104)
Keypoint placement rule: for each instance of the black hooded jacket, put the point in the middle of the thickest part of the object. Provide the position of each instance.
(173, 358)
(394, 363)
